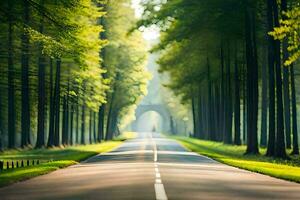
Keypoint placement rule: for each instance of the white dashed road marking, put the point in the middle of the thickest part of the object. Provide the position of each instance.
(160, 192)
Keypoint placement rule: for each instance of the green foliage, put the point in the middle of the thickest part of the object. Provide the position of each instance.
(73, 74)
(125, 57)
(191, 32)
(290, 29)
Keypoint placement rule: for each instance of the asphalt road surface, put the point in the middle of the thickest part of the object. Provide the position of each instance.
(151, 167)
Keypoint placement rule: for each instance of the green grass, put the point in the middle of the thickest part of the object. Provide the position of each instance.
(61, 157)
(234, 156)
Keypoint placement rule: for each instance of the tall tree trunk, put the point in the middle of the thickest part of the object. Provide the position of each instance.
(200, 121)
(41, 93)
(11, 81)
(237, 107)
(245, 135)
(195, 124)
(57, 103)
(108, 135)
(286, 86)
(77, 120)
(41, 105)
(228, 106)
(210, 131)
(65, 121)
(114, 124)
(102, 108)
(90, 126)
(94, 127)
(66, 108)
(101, 122)
(252, 81)
(1, 115)
(280, 139)
(218, 112)
(25, 112)
(271, 46)
(82, 124)
(52, 107)
(264, 103)
(294, 113)
(222, 96)
(71, 139)
(287, 110)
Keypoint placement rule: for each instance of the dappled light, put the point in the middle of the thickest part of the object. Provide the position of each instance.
(149, 99)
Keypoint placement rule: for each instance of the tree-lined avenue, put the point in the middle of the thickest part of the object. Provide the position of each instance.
(128, 172)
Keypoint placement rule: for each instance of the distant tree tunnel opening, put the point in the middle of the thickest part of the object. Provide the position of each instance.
(150, 121)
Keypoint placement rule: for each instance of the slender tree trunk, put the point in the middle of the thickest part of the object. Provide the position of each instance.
(94, 127)
(200, 114)
(77, 120)
(287, 110)
(102, 108)
(65, 121)
(252, 82)
(294, 113)
(286, 86)
(280, 139)
(41, 93)
(66, 108)
(101, 122)
(204, 116)
(245, 135)
(11, 82)
(264, 103)
(52, 107)
(223, 95)
(71, 139)
(82, 124)
(229, 101)
(218, 112)
(41, 105)
(271, 46)
(90, 127)
(237, 107)
(1, 115)
(114, 124)
(195, 125)
(210, 131)
(57, 103)
(25, 112)
(108, 135)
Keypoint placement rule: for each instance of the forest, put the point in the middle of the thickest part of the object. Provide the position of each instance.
(70, 71)
(234, 63)
(73, 71)
(149, 99)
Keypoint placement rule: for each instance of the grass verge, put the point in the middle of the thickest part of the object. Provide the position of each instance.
(234, 156)
(61, 157)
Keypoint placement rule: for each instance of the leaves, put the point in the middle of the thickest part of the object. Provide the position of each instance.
(290, 29)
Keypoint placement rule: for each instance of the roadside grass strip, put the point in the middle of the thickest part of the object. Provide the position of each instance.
(57, 158)
(234, 156)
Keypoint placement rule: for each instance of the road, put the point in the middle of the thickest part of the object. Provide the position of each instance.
(151, 167)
